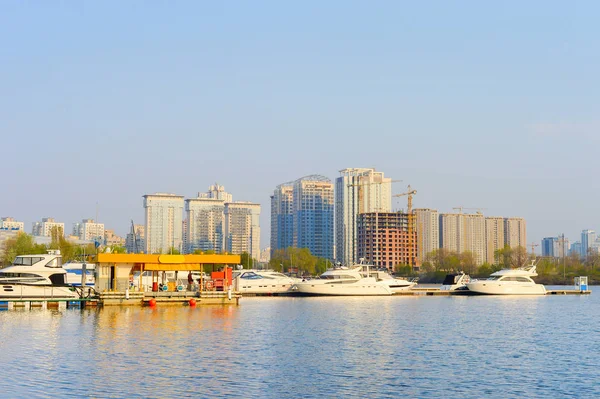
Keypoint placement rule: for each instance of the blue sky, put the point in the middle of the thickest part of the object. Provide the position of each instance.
(476, 104)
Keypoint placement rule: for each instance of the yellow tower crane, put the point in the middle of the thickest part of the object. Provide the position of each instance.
(411, 224)
(361, 184)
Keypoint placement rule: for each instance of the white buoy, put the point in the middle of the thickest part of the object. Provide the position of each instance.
(127, 293)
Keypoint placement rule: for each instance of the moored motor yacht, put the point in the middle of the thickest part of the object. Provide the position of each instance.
(396, 284)
(455, 282)
(264, 282)
(342, 280)
(35, 276)
(509, 282)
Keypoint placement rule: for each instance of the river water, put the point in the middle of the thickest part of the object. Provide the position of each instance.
(417, 347)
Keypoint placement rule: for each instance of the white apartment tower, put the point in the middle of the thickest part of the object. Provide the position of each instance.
(242, 228)
(205, 224)
(515, 232)
(357, 190)
(428, 232)
(494, 237)
(89, 230)
(44, 228)
(464, 232)
(8, 223)
(163, 228)
(217, 192)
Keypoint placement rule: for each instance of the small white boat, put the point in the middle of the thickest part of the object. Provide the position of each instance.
(75, 273)
(345, 281)
(454, 282)
(36, 277)
(262, 282)
(509, 282)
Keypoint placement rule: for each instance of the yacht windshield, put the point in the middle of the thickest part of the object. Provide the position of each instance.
(494, 278)
(26, 260)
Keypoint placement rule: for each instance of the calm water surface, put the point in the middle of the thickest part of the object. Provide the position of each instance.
(465, 347)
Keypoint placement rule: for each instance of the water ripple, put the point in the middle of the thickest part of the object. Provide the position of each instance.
(468, 347)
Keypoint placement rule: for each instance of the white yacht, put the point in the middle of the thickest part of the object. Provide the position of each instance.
(343, 281)
(35, 276)
(262, 282)
(76, 272)
(455, 282)
(509, 282)
(396, 284)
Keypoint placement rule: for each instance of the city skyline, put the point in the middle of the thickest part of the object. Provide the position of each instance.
(491, 106)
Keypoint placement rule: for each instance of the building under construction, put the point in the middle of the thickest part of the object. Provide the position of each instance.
(387, 239)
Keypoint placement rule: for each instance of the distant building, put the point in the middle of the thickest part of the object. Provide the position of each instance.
(588, 239)
(313, 215)
(265, 255)
(242, 228)
(515, 232)
(464, 232)
(89, 230)
(428, 232)
(110, 238)
(384, 239)
(135, 239)
(164, 227)
(8, 223)
(217, 192)
(205, 224)
(282, 217)
(548, 246)
(357, 190)
(575, 248)
(44, 228)
(494, 238)
(555, 247)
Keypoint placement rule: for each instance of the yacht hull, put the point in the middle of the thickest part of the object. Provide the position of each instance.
(498, 288)
(318, 288)
(24, 291)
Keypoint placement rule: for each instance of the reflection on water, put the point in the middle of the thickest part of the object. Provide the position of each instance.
(308, 347)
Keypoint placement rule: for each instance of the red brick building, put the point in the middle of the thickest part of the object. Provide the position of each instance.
(384, 239)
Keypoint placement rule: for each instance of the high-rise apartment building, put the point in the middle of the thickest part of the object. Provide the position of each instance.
(135, 241)
(89, 230)
(110, 238)
(588, 240)
(8, 223)
(464, 232)
(205, 220)
(282, 217)
(46, 226)
(384, 239)
(217, 192)
(427, 228)
(163, 228)
(494, 237)
(515, 232)
(313, 215)
(242, 228)
(555, 247)
(357, 190)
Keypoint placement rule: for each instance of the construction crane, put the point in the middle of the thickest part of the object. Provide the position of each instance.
(410, 194)
(411, 220)
(360, 184)
(533, 245)
(463, 207)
